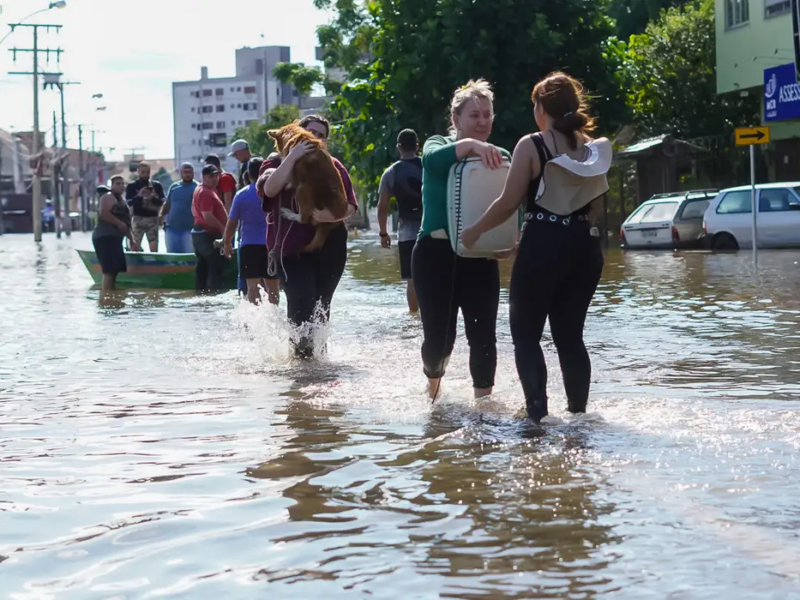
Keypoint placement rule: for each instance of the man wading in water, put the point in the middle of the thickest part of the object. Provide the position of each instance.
(403, 181)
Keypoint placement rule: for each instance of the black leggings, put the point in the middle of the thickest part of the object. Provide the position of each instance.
(444, 283)
(309, 281)
(555, 275)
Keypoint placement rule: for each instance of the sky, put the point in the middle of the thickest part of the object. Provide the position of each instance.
(131, 51)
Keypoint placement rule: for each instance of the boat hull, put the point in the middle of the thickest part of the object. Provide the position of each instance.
(164, 271)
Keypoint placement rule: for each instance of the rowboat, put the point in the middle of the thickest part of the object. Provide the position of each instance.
(164, 271)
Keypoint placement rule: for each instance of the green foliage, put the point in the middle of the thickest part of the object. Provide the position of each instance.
(670, 76)
(632, 16)
(406, 57)
(256, 133)
(304, 78)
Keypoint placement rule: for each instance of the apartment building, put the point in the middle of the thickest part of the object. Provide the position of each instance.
(207, 111)
(755, 46)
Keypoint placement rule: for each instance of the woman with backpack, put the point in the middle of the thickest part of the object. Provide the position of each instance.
(559, 172)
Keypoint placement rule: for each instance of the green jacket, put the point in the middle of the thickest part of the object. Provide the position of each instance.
(438, 156)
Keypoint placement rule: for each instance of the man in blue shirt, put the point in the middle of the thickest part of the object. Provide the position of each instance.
(178, 212)
(253, 254)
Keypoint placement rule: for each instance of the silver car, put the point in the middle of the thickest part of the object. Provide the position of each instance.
(668, 221)
(729, 220)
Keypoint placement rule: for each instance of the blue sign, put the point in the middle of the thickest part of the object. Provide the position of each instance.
(781, 93)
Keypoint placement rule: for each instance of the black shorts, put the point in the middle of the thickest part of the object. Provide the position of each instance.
(254, 262)
(110, 254)
(406, 249)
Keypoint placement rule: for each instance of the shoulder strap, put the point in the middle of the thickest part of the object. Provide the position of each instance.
(541, 148)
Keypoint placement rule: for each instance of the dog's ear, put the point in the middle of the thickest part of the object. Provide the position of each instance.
(275, 134)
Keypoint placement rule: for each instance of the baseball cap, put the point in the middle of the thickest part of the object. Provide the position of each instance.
(238, 145)
(210, 170)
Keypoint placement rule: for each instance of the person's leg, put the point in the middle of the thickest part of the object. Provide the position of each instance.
(433, 262)
(273, 290)
(152, 233)
(567, 319)
(329, 263)
(299, 284)
(201, 250)
(183, 241)
(216, 270)
(254, 290)
(109, 282)
(478, 294)
(137, 231)
(406, 250)
(534, 280)
(171, 238)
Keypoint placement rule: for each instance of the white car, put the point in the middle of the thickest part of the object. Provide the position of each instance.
(667, 221)
(728, 221)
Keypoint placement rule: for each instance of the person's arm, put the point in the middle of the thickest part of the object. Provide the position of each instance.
(438, 155)
(523, 168)
(281, 176)
(211, 221)
(167, 204)
(385, 192)
(227, 236)
(227, 186)
(131, 193)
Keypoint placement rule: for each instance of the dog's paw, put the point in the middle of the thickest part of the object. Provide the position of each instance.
(291, 215)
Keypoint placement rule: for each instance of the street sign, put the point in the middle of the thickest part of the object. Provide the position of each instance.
(751, 136)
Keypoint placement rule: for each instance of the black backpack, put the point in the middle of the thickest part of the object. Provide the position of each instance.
(407, 188)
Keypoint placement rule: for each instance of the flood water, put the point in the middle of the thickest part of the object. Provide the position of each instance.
(164, 445)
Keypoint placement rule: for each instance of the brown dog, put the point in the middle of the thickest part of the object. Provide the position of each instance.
(315, 179)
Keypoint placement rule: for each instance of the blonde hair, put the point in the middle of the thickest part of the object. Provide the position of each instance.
(476, 89)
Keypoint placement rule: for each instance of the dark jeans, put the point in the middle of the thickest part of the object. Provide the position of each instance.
(309, 281)
(444, 283)
(208, 274)
(555, 275)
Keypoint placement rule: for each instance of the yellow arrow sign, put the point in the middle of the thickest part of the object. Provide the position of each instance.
(750, 136)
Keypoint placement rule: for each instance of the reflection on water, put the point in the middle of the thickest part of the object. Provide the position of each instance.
(163, 444)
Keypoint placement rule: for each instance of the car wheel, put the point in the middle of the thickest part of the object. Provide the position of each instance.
(725, 241)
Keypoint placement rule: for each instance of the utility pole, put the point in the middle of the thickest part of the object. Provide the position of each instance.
(63, 163)
(82, 177)
(35, 150)
(55, 183)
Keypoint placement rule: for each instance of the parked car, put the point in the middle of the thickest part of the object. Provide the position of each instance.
(728, 221)
(668, 221)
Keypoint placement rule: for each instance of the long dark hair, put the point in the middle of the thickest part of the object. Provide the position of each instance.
(562, 97)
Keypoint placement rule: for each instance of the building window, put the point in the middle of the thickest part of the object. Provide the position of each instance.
(233, 123)
(240, 122)
(737, 12)
(238, 106)
(231, 89)
(220, 124)
(773, 8)
(259, 66)
(220, 108)
(250, 89)
(238, 89)
(250, 106)
(207, 126)
(207, 109)
(207, 92)
(233, 106)
(217, 140)
(193, 109)
(219, 91)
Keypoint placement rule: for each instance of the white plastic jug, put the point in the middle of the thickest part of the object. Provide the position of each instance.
(471, 189)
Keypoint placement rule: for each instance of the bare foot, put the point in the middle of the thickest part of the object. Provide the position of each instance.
(482, 392)
(434, 388)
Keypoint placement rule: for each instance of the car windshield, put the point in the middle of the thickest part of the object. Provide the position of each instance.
(653, 213)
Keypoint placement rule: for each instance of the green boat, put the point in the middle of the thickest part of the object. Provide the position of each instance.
(163, 271)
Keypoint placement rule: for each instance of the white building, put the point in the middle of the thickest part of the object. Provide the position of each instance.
(207, 112)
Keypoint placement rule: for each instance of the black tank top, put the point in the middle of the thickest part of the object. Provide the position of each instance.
(545, 156)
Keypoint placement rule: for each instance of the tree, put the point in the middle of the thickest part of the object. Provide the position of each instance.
(406, 57)
(670, 75)
(256, 133)
(633, 16)
(304, 78)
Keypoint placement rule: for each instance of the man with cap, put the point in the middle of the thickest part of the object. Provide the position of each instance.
(240, 150)
(176, 214)
(403, 182)
(226, 187)
(210, 219)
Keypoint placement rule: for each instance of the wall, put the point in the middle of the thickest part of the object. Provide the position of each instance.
(745, 51)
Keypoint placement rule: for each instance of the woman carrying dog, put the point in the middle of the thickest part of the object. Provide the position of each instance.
(309, 278)
(446, 282)
(559, 261)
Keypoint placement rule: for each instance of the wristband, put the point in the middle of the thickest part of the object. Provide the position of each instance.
(385, 235)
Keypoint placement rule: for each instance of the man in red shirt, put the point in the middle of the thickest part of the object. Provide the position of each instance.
(210, 218)
(226, 186)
